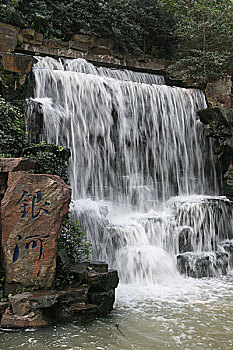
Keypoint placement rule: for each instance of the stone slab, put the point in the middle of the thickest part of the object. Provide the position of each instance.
(31, 320)
(23, 304)
(16, 164)
(17, 63)
(102, 282)
(32, 210)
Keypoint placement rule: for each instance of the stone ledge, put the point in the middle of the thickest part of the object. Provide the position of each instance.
(16, 62)
(8, 165)
(30, 320)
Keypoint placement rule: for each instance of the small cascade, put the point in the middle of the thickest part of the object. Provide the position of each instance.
(191, 232)
(141, 171)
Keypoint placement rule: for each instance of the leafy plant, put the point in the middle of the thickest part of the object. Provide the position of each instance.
(74, 240)
(11, 131)
(205, 38)
(136, 25)
(48, 158)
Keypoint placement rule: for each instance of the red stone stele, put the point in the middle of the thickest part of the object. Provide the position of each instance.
(32, 210)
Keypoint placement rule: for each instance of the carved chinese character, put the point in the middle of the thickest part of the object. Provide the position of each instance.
(29, 242)
(35, 208)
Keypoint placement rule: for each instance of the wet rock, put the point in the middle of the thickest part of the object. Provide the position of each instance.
(23, 303)
(32, 211)
(77, 45)
(102, 282)
(20, 304)
(39, 37)
(185, 241)
(84, 312)
(63, 311)
(99, 266)
(228, 247)
(78, 274)
(104, 301)
(82, 38)
(34, 319)
(73, 296)
(203, 265)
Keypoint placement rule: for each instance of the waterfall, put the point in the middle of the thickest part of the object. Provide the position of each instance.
(141, 171)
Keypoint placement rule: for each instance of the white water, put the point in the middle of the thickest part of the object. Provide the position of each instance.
(141, 169)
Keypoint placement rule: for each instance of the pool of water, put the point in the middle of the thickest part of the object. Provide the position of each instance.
(186, 314)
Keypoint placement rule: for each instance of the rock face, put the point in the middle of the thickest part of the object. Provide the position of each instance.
(17, 63)
(203, 265)
(219, 125)
(32, 211)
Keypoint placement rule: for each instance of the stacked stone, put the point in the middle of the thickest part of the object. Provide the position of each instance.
(32, 209)
(81, 304)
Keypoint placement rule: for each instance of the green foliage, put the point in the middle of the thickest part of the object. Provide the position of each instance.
(11, 133)
(138, 26)
(74, 240)
(49, 159)
(205, 35)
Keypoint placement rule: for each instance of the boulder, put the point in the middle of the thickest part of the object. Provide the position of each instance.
(102, 282)
(34, 319)
(32, 211)
(104, 301)
(63, 310)
(203, 264)
(23, 304)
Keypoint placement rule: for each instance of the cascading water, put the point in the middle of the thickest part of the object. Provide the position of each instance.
(141, 170)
